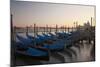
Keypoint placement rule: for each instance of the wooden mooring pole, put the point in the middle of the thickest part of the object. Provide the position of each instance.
(56, 28)
(13, 39)
(68, 29)
(46, 28)
(50, 29)
(34, 30)
(27, 30)
(65, 28)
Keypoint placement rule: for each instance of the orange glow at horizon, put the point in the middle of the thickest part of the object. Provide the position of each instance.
(42, 14)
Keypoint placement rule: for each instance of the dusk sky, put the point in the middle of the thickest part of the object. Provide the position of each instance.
(28, 13)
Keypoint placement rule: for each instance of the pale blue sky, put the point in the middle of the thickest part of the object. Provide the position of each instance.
(28, 13)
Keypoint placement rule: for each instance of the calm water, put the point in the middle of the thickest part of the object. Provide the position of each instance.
(22, 32)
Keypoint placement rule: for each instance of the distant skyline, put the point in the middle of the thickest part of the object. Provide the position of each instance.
(27, 13)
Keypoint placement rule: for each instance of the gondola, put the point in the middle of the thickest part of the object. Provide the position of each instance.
(23, 49)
